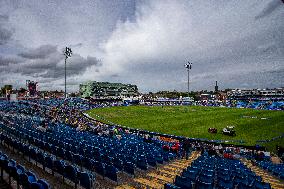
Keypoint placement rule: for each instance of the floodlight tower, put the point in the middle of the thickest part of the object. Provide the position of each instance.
(188, 67)
(67, 53)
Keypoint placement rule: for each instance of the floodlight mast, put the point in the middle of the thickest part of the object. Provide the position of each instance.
(188, 67)
(67, 53)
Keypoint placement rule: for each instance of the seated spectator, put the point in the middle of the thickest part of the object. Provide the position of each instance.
(166, 147)
(186, 147)
(175, 148)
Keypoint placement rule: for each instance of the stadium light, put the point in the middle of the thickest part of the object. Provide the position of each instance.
(188, 67)
(67, 53)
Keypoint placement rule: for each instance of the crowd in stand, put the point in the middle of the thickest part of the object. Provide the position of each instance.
(263, 105)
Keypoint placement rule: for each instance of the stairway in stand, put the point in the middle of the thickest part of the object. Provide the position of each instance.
(163, 174)
(275, 182)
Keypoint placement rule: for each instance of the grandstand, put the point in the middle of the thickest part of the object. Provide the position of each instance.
(107, 90)
(51, 144)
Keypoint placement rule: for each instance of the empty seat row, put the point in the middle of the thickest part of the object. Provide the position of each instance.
(61, 167)
(219, 173)
(23, 177)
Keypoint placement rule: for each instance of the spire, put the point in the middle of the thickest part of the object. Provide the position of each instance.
(216, 87)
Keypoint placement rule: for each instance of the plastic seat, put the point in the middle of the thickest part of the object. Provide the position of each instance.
(111, 172)
(204, 185)
(166, 157)
(88, 163)
(118, 163)
(222, 184)
(19, 170)
(142, 164)
(129, 168)
(262, 185)
(23, 180)
(33, 154)
(36, 185)
(44, 184)
(48, 162)
(69, 156)
(31, 179)
(183, 182)
(151, 161)
(205, 178)
(77, 159)
(224, 177)
(70, 172)
(59, 166)
(171, 186)
(85, 180)
(12, 171)
(40, 158)
(60, 152)
(99, 168)
(159, 159)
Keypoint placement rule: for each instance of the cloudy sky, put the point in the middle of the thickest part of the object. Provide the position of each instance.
(239, 43)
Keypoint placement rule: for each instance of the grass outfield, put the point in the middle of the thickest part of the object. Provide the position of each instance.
(193, 121)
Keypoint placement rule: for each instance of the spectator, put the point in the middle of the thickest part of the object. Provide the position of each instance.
(186, 147)
(175, 147)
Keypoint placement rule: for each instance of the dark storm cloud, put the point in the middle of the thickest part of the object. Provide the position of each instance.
(271, 6)
(47, 61)
(41, 52)
(75, 65)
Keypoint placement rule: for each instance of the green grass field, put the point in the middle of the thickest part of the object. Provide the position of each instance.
(194, 121)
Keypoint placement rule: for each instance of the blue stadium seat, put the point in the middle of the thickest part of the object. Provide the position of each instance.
(129, 168)
(86, 180)
(183, 182)
(225, 184)
(171, 186)
(118, 163)
(49, 163)
(70, 172)
(59, 166)
(99, 168)
(23, 180)
(111, 172)
(44, 184)
(36, 185)
(142, 164)
(189, 174)
(262, 185)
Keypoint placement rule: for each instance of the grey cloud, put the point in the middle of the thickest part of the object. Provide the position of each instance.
(4, 18)
(75, 65)
(77, 45)
(223, 40)
(4, 61)
(47, 62)
(271, 6)
(226, 41)
(6, 32)
(41, 52)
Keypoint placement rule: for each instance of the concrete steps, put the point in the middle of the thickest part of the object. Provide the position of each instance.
(158, 177)
(275, 182)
